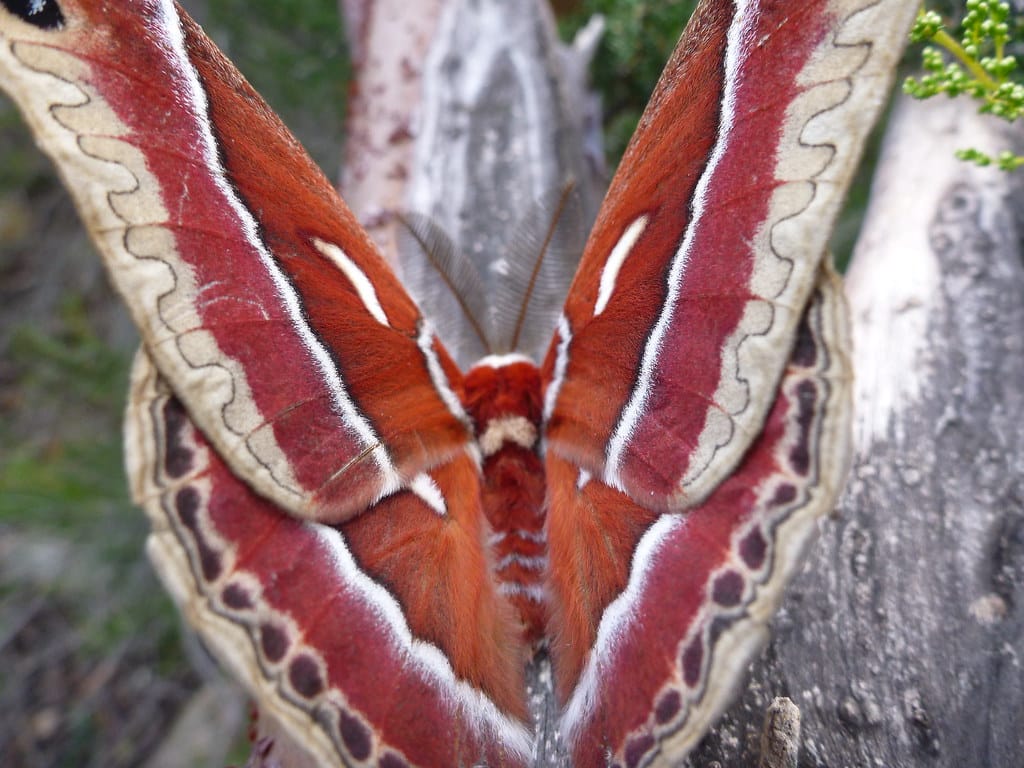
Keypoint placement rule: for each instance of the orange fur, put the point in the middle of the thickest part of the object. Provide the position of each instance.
(437, 567)
(511, 390)
(592, 534)
(513, 484)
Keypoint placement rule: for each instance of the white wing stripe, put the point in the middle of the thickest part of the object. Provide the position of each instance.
(635, 408)
(171, 31)
(561, 363)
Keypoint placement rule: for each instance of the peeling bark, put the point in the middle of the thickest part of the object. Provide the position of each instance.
(780, 738)
(389, 46)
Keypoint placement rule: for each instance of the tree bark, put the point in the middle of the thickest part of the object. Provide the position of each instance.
(901, 641)
(489, 117)
(389, 46)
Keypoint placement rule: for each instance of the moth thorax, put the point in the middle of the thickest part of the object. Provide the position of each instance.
(502, 396)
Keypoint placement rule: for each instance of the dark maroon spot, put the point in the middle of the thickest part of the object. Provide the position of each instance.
(177, 457)
(728, 589)
(209, 561)
(668, 707)
(391, 760)
(800, 458)
(807, 399)
(753, 548)
(693, 658)
(637, 748)
(355, 735)
(45, 14)
(187, 501)
(304, 675)
(236, 597)
(784, 494)
(273, 641)
(805, 350)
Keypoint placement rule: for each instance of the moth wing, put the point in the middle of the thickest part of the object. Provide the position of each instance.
(260, 297)
(377, 663)
(655, 616)
(684, 309)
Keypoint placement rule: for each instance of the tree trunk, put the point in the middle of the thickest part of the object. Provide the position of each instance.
(490, 113)
(901, 642)
(382, 106)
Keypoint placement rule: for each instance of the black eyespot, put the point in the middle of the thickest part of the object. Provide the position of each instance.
(45, 14)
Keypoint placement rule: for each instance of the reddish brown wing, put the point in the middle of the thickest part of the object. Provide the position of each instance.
(683, 312)
(381, 641)
(696, 405)
(674, 606)
(256, 291)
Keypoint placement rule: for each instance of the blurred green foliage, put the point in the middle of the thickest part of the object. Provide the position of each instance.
(69, 481)
(295, 55)
(23, 166)
(973, 60)
(639, 36)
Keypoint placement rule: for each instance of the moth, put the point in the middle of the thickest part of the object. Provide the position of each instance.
(377, 542)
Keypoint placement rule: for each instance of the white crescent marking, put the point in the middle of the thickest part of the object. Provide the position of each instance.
(610, 273)
(426, 489)
(356, 276)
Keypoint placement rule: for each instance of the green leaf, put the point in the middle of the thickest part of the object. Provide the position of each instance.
(975, 64)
